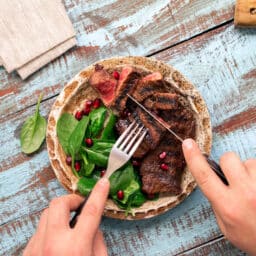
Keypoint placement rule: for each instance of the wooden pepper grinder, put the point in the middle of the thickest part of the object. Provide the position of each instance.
(245, 13)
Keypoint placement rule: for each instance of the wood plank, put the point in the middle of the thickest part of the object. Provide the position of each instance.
(217, 247)
(191, 223)
(110, 28)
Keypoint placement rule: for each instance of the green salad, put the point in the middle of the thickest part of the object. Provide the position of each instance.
(87, 139)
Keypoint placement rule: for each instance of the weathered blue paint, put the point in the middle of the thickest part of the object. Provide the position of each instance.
(220, 63)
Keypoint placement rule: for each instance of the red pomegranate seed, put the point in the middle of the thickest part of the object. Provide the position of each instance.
(88, 103)
(102, 173)
(87, 110)
(162, 155)
(136, 163)
(116, 75)
(96, 103)
(120, 194)
(77, 166)
(88, 142)
(79, 115)
(125, 113)
(68, 160)
(164, 167)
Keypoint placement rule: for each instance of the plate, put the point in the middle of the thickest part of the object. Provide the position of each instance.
(78, 90)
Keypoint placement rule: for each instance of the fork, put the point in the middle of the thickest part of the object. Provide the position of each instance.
(121, 152)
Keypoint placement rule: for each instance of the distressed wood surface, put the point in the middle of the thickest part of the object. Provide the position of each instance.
(221, 65)
(110, 28)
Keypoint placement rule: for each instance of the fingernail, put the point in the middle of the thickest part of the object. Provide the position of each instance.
(188, 144)
(103, 181)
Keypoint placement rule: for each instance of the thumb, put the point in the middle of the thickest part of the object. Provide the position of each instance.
(206, 179)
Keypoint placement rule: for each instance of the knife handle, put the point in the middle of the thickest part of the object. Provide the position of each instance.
(217, 169)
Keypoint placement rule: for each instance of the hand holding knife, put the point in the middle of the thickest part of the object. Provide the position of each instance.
(214, 166)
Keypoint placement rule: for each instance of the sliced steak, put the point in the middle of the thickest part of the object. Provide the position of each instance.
(157, 180)
(149, 85)
(155, 130)
(162, 101)
(104, 84)
(126, 84)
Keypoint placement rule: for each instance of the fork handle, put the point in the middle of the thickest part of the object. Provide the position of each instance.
(73, 220)
(217, 169)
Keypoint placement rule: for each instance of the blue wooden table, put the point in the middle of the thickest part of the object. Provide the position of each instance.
(196, 37)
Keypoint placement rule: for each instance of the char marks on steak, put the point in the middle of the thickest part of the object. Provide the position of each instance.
(104, 84)
(126, 84)
(149, 85)
(162, 101)
(156, 180)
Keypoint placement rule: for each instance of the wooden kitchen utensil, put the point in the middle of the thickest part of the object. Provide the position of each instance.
(245, 13)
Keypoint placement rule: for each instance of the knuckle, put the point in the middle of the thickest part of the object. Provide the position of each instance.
(56, 202)
(226, 157)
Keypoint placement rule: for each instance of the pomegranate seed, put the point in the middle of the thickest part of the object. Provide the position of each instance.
(164, 167)
(88, 103)
(77, 166)
(102, 173)
(120, 194)
(88, 142)
(162, 155)
(136, 163)
(96, 103)
(116, 75)
(79, 115)
(87, 110)
(68, 160)
(125, 113)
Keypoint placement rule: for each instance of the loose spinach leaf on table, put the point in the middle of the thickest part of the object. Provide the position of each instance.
(33, 131)
(65, 126)
(76, 139)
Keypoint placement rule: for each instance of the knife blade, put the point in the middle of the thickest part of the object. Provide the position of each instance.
(214, 166)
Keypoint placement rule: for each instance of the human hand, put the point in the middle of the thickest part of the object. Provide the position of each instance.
(234, 205)
(55, 237)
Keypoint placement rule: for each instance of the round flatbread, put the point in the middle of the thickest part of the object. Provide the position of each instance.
(78, 90)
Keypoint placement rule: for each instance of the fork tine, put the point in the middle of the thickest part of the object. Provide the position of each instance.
(137, 143)
(123, 135)
(136, 134)
(129, 136)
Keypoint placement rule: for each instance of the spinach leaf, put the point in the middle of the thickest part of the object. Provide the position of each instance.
(97, 118)
(85, 185)
(76, 139)
(87, 167)
(108, 132)
(97, 158)
(33, 131)
(121, 179)
(138, 199)
(65, 126)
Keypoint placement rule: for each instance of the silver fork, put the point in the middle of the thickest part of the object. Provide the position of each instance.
(120, 154)
(125, 147)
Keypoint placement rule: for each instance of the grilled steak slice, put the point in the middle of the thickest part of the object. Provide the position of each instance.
(157, 180)
(181, 121)
(155, 130)
(163, 101)
(126, 84)
(120, 126)
(149, 85)
(104, 84)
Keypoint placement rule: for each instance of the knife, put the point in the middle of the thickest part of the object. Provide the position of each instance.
(214, 166)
